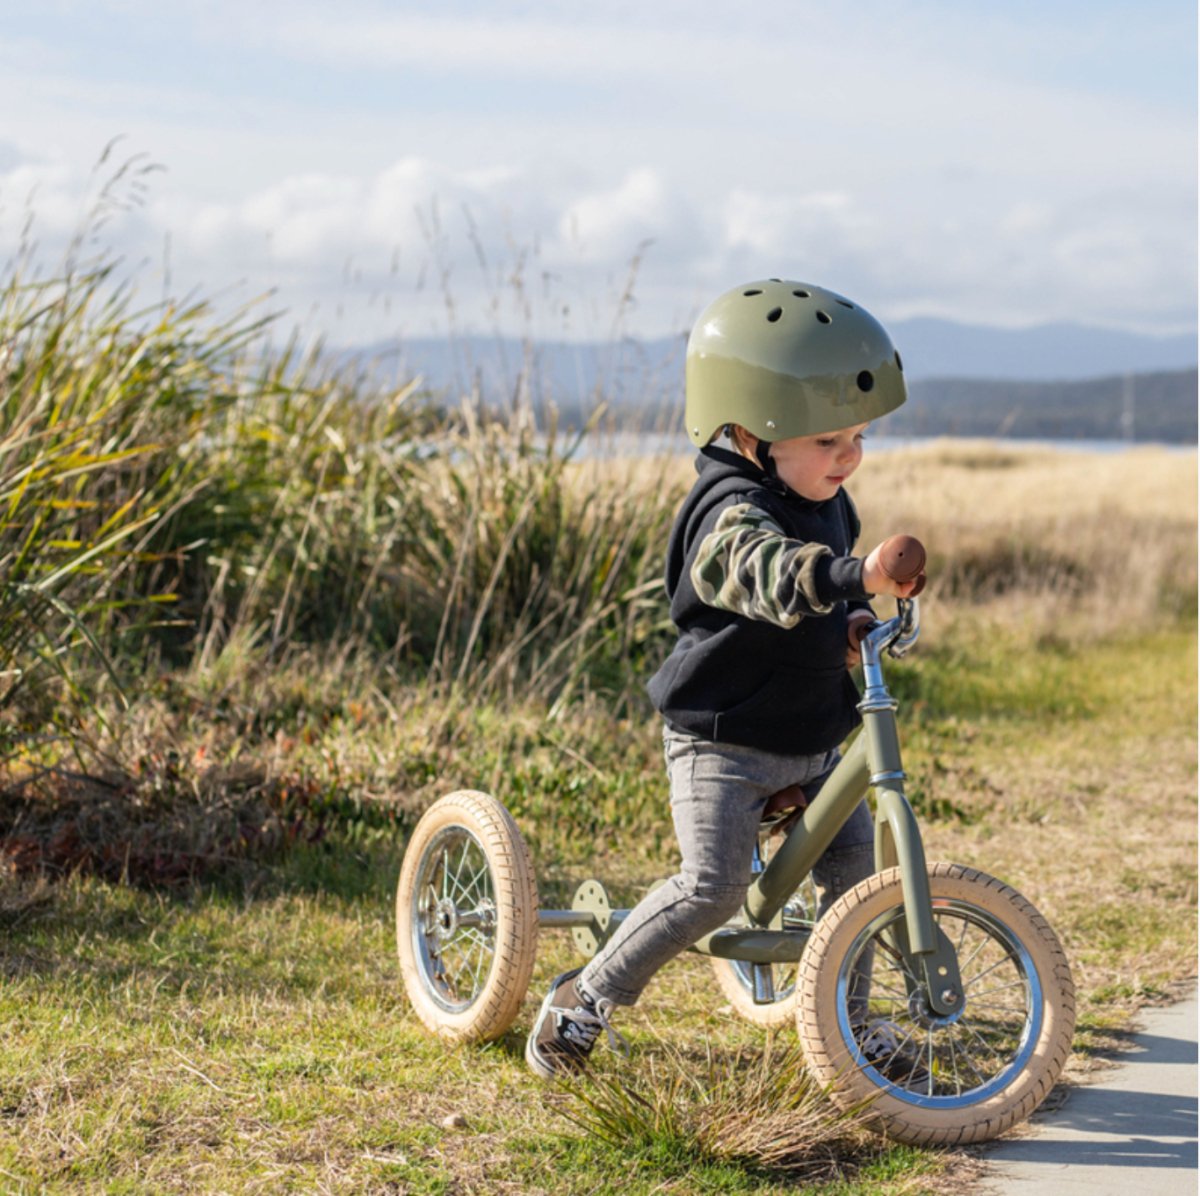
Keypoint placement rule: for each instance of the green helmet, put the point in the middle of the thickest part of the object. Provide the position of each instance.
(788, 359)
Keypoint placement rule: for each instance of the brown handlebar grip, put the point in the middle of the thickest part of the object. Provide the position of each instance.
(902, 558)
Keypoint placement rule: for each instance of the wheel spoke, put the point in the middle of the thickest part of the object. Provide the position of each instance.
(478, 881)
(989, 970)
(898, 963)
(983, 943)
(888, 990)
(987, 1046)
(950, 1043)
(969, 1059)
(987, 992)
(978, 1004)
(461, 890)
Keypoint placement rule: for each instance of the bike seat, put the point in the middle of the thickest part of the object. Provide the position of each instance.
(790, 797)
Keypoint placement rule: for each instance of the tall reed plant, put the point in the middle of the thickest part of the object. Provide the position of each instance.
(174, 487)
(94, 400)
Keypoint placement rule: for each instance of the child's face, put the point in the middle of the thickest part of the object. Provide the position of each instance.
(815, 466)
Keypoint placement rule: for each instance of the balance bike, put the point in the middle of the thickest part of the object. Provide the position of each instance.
(955, 972)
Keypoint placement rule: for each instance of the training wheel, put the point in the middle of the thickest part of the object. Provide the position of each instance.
(467, 917)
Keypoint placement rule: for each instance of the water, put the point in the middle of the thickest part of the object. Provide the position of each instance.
(618, 445)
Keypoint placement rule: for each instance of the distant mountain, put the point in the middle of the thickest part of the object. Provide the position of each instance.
(1054, 380)
(930, 348)
(1143, 407)
(1047, 353)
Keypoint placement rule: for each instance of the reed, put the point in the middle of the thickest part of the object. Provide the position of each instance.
(173, 486)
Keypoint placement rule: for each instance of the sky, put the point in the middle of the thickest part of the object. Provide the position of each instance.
(583, 171)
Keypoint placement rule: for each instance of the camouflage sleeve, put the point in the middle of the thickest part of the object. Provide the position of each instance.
(748, 566)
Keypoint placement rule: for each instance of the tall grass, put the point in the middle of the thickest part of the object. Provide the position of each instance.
(91, 411)
(175, 488)
(179, 491)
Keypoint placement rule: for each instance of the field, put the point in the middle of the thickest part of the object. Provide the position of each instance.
(257, 617)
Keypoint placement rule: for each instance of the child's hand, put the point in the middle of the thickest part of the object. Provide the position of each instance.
(859, 621)
(883, 565)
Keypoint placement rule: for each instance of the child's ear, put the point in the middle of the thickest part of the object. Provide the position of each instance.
(745, 442)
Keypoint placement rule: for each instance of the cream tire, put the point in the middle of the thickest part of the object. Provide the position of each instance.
(466, 917)
(976, 1073)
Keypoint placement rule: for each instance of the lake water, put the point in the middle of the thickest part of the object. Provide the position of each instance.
(632, 444)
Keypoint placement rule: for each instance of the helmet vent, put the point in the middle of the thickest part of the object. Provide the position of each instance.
(801, 294)
(774, 314)
(749, 293)
(899, 363)
(866, 380)
(845, 304)
(824, 317)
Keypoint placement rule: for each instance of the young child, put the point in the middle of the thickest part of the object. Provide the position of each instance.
(756, 695)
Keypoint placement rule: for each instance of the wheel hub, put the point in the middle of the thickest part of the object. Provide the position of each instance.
(446, 917)
(920, 1011)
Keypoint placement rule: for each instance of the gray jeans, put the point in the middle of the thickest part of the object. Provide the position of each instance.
(718, 793)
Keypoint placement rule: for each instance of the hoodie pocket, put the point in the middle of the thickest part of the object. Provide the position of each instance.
(792, 703)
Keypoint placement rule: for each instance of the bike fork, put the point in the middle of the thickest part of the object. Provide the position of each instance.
(872, 760)
(930, 960)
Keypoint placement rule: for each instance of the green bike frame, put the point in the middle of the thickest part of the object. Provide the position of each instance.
(871, 761)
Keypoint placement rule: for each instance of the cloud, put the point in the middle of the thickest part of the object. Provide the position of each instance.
(641, 210)
(1021, 227)
(369, 255)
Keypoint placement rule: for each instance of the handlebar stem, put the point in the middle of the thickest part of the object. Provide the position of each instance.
(895, 637)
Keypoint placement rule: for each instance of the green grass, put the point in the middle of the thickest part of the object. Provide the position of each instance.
(251, 1034)
(221, 1045)
(257, 613)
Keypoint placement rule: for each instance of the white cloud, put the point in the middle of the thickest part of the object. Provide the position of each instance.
(386, 151)
(642, 209)
(394, 251)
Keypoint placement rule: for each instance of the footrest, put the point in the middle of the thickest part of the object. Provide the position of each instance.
(591, 898)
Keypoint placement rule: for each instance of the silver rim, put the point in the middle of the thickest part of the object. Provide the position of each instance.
(454, 919)
(945, 1062)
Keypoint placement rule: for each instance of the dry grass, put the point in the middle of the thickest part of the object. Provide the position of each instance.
(1073, 544)
(1093, 818)
(254, 1037)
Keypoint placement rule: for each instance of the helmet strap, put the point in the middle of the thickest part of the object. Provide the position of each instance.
(762, 450)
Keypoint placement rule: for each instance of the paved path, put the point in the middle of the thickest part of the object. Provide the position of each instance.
(1133, 1130)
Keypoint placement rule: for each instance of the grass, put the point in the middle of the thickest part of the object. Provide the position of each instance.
(257, 615)
(207, 1046)
(251, 1034)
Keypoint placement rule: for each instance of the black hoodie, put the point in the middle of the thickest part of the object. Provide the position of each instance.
(734, 679)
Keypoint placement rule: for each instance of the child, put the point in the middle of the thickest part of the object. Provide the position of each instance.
(756, 695)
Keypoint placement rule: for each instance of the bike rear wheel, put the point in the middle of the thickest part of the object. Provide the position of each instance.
(735, 977)
(467, 917)
(942, 1080)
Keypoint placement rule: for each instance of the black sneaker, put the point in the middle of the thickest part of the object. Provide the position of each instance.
(892, 1053)
(566, 1029)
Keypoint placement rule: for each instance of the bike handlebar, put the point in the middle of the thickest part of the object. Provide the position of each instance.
(902, 558)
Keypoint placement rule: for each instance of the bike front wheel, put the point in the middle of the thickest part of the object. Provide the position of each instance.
(467, 917)
(870, 1034)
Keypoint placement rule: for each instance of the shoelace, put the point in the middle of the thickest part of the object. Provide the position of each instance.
(882, 1038)
(883, 1046)
(583, 1026)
